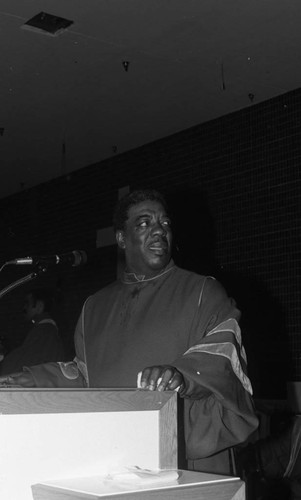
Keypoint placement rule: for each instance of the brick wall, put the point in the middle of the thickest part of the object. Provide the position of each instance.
(238, 182)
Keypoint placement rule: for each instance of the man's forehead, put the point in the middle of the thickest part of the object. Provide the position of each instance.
(148, 207)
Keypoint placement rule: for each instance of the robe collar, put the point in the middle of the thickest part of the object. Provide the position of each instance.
(130, 278)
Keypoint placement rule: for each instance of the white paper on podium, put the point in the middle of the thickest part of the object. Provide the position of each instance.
(99, 486)
(118, 482)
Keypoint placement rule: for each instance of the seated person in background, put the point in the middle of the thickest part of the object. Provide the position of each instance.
(42, 343)
(178, 330)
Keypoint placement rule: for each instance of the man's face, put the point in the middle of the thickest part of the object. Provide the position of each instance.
(30, 308)
(147, 238)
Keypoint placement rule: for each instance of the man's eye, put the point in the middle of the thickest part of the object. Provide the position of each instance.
(166, 223)
(143, 223)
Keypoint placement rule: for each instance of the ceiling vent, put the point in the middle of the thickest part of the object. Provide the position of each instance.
(47, 24)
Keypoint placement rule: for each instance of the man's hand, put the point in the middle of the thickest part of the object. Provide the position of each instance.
(160, 378)
(20, 379)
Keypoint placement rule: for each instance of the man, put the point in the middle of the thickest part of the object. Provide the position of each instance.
(171, 328)
(42, 343)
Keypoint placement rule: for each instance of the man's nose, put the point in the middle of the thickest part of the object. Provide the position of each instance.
(158, 228)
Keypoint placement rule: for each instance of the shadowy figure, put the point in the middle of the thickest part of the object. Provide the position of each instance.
(42, 343)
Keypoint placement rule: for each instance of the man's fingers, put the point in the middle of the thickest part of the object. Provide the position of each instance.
(171, 380)
(22, 379)
(160, 378)
(9, 380)
(149, 377)
(176, 382)
(166, 377)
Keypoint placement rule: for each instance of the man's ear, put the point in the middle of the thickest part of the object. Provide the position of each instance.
(120, 239)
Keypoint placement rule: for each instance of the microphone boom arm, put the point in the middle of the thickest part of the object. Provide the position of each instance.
(22, 281)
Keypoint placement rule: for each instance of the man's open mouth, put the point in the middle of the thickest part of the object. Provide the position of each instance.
(158, 247)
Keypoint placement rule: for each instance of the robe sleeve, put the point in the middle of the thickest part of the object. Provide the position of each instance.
(219, 410)
(71, 374)
(54, 375)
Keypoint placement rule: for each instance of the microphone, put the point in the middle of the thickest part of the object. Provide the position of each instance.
(75, 258)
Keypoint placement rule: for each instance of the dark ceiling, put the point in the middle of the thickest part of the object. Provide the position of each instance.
(128, 72)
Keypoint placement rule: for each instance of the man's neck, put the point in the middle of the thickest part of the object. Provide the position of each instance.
(133, 276)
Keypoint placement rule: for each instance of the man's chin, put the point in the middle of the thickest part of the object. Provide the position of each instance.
(159, 262)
